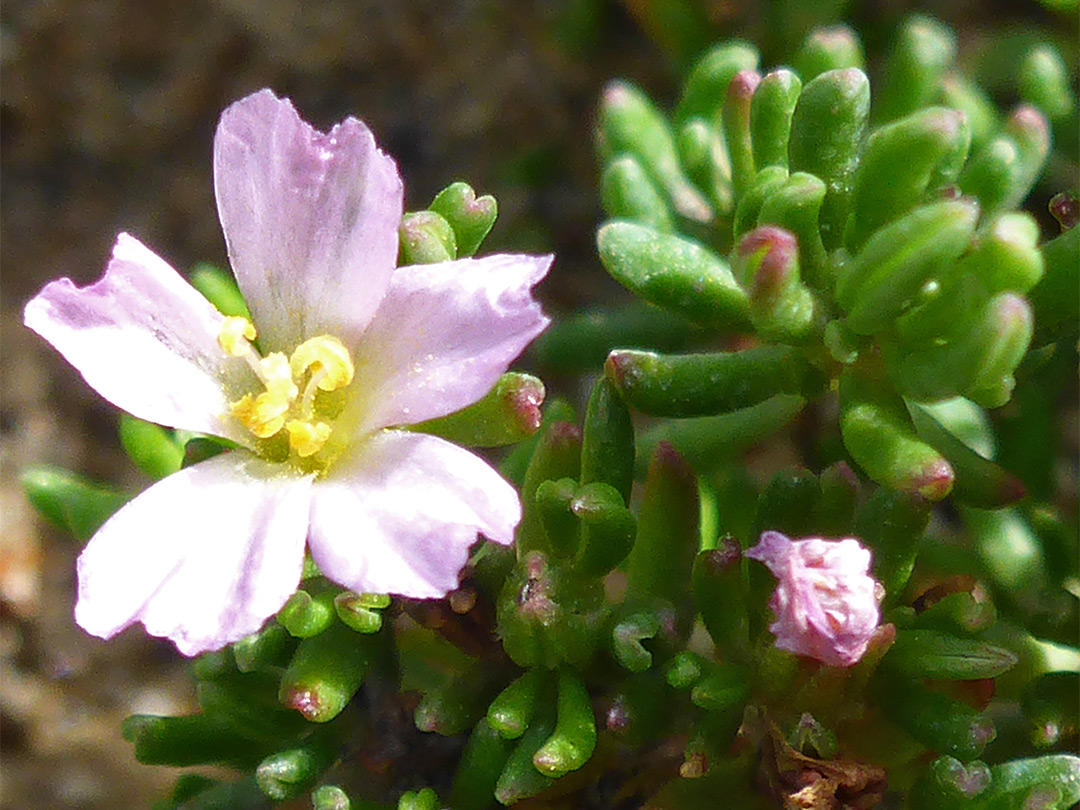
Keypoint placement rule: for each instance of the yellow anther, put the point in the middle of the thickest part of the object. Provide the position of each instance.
(235, 334)
(276, 375)
(325, 354)
(307, 438)
(263, 415)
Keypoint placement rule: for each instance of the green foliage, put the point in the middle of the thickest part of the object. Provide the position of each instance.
(804, 247)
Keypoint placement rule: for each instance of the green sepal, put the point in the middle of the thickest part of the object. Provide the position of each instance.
(770, 117)
(782, 309)
(519, 778)
(1043, 81)
(553, 504)
(765, 183)
(1056, 298)
(193, 739)
(469, 216)
(215, 664)
(904, 163)
(360, 612)
(287, 774)
(548, 616)
(478, 770)
(832, 48)
(219, 288)
(69, 501)
(310, 610)
(923, 653)
(201, 448)
(268, 649)
(795, 206)
(827, 131)
(425, 238)
(1001, 174)
(326, 671)
(656, 625)
(508, 413)
(720, 595)
(881, 438)
(512, 709)
(958, 612)
(891, 524)
(707, 84)
(607, 443)
(582, 341)
(152, 448)
(630, 123)
(876, 285)
(607, 528)
(573, 740)
(667, 537)
(627, 192)
(684, 670)
(674, 273)
(698, 384)
(979, 481)
(923, 51)
(735, 121)
(941, 723)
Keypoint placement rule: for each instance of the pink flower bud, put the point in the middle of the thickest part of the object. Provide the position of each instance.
(826, 602)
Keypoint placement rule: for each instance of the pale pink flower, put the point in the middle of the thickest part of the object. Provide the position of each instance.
(826, 602)
(349, 350)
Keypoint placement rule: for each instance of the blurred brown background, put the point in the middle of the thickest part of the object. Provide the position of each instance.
(107, 115)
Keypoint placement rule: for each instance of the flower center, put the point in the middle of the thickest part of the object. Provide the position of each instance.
(293, 386)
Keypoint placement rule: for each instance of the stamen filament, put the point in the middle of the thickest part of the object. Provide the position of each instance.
(307, 404)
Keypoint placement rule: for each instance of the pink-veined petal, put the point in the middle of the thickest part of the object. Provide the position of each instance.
(310, 220)
(443, 335)
(146, 340)
(399, 513)
(203, 557)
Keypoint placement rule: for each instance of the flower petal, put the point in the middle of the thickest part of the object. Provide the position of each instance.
(310, 220)
(203, 557)
(146, 340)
(399, 514)
(443, 335)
